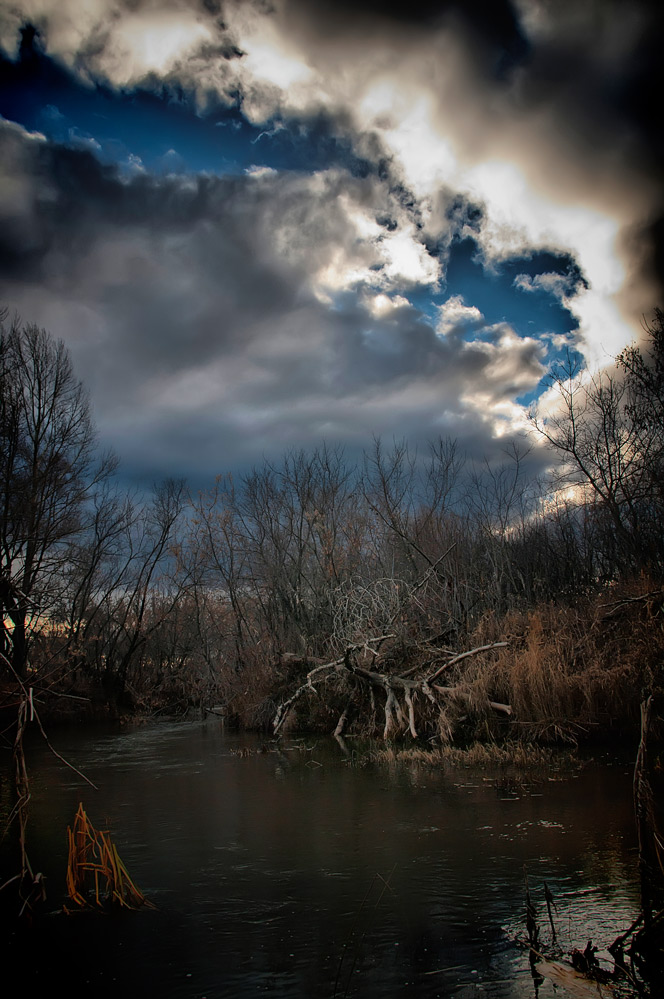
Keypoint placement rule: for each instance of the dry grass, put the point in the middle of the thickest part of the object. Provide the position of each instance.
(479, 754)
(574, 672)
(95, 873)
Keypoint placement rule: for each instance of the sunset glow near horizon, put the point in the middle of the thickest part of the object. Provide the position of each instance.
(263, 226)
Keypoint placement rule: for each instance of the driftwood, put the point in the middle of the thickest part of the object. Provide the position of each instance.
(400, 691)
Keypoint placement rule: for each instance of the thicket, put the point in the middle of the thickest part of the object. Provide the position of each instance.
(317, 592)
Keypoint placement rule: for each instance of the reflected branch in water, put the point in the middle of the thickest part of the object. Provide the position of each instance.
(356, 922)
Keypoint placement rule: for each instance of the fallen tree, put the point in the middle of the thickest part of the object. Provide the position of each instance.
(410, 702)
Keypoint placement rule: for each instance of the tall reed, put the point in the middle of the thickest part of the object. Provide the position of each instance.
(95, 873)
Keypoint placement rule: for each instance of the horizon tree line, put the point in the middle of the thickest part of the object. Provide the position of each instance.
(199, 596)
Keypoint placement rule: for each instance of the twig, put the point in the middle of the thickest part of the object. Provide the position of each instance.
(34, 716)
(432, 568)
(61, 758)
(616, 605)
(386, 887)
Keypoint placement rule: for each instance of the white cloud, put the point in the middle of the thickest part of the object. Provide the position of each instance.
(269, 57)
(198, 327)
(382, 305)
(83, 141)
(455, 315)
(151, 41)
(406, 259)
(260, 171)
(420, 94)
(551, 282)
(373, 256)
(513, 366)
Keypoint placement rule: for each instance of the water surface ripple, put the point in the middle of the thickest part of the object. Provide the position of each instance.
(293, 872)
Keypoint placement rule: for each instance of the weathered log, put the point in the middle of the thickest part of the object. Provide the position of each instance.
(385, 680)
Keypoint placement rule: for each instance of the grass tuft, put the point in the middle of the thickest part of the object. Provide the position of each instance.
(95, 873)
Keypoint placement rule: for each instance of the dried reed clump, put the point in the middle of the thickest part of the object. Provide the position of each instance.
(478, 754)
(547, 675)
(572, 671)
(95, 873)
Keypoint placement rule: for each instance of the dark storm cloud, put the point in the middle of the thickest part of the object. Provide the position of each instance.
(220, 317)
(561, 90)
(593, 73)
(192, 306)
(489, 28)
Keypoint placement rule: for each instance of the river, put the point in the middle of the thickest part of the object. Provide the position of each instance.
(299, 873)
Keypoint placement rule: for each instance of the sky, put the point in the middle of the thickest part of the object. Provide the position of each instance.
(268, 224)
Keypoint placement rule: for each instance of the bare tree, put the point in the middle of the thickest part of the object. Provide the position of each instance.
(419, 527)
(644, 375)
(50, 470)
(595, 432)
(144, 584)
(502, 500)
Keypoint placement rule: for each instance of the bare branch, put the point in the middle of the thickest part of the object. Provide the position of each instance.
(465, 655)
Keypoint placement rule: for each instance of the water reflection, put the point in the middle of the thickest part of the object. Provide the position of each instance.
(286, 871)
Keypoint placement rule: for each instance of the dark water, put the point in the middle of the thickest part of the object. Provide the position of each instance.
(283, 873)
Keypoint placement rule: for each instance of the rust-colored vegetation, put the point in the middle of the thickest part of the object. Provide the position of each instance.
(570, 672)
(96, 876)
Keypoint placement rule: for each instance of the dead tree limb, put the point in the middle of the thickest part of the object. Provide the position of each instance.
(399, 717)
(615, 606)
(433, 566)
(504, 709)
(465, 655)
(341, 724)
(284, 709)
(408, 697)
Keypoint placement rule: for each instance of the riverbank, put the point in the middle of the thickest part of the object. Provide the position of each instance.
(554, 675)
(558, 674)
